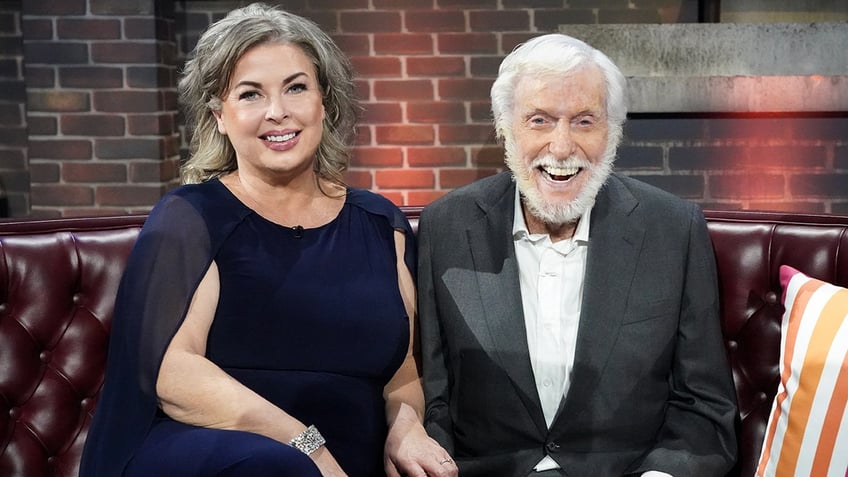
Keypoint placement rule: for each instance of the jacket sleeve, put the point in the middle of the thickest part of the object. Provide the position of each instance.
(698, 436)
(437, 418)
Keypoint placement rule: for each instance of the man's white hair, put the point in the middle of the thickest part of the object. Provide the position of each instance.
(560, 54)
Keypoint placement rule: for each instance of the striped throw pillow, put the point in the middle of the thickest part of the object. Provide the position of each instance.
(807, 432)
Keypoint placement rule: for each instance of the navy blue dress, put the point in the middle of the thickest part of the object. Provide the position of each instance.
(313, 321)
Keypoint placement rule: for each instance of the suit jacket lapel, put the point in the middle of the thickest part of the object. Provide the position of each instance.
(493, 253)
(615, 239)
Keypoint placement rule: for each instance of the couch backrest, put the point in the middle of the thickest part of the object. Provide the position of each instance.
(750, 248)
(58, 280)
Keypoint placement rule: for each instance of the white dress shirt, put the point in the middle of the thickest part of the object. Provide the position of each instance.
(551, 279)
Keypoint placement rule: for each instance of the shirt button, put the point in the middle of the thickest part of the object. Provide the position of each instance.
(546, 383)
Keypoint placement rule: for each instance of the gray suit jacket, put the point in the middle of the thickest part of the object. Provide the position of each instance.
(650, 389)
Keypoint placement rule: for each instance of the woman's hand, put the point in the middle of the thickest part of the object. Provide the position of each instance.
(327, 463)
(411, 452)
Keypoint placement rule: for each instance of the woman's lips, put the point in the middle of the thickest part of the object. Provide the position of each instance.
(281, 142)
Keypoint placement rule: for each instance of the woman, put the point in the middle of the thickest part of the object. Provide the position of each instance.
(263, 325)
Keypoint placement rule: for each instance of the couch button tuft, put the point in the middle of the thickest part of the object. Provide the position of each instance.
(771, 298)
(732, 345)
(45, 356)
(2, 307)
(14, 412)
(762, 397)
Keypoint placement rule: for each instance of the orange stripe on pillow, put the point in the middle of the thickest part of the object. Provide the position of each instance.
(801, 300)
(808, 381)
(836, 407)
(832, 423)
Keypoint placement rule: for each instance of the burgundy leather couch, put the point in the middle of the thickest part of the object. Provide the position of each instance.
(58, 280)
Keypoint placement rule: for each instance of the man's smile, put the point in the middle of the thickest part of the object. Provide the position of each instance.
(559, 174)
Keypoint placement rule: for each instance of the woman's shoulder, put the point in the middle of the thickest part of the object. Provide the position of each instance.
(369, 200)
(208, 203)
(199, 193)
(377, 204)
(209, 197)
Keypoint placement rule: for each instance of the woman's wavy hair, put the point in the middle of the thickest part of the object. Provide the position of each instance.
(560, 54)
(207, 75)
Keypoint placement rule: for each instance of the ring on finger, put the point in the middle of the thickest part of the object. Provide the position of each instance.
(445, 461)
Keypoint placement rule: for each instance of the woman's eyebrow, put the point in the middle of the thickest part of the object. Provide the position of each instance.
(255, 84)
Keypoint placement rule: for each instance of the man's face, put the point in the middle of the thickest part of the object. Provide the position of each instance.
(558, 143)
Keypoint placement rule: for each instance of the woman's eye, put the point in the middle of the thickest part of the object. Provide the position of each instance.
(297, 88)
(248, 95)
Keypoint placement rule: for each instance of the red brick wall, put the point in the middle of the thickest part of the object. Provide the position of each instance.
(787, 162)
(14, 178)
(103, 127)
(102, 109)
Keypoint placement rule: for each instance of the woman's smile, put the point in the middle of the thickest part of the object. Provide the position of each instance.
(280, 141)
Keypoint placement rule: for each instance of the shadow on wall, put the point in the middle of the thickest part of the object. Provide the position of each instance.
(4, 201)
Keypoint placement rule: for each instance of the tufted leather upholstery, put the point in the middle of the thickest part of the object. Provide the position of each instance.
(750, 248)
(58, 280)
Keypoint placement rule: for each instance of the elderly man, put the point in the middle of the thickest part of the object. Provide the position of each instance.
(569, 315)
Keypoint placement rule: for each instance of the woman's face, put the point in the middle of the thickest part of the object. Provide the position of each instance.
(272, 112)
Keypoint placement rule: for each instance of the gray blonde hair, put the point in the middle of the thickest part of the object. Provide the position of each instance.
(558, 54)
(207, 75)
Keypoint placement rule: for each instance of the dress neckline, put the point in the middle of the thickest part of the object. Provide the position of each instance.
(297, 230)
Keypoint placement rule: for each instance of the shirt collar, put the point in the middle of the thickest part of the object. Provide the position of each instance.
(519, 225)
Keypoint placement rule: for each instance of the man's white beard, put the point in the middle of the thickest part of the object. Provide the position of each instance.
(558, 213)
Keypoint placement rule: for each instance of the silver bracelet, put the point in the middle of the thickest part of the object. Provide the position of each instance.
(308, 441)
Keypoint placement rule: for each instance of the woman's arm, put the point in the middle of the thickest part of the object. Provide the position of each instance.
(193, 390)
(409, 450)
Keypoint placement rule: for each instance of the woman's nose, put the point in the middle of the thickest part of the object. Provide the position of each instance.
(276, 111)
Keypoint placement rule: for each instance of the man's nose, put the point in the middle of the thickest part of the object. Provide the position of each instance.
(561, 142)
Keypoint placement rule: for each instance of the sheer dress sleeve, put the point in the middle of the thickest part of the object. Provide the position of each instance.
(173, 251)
